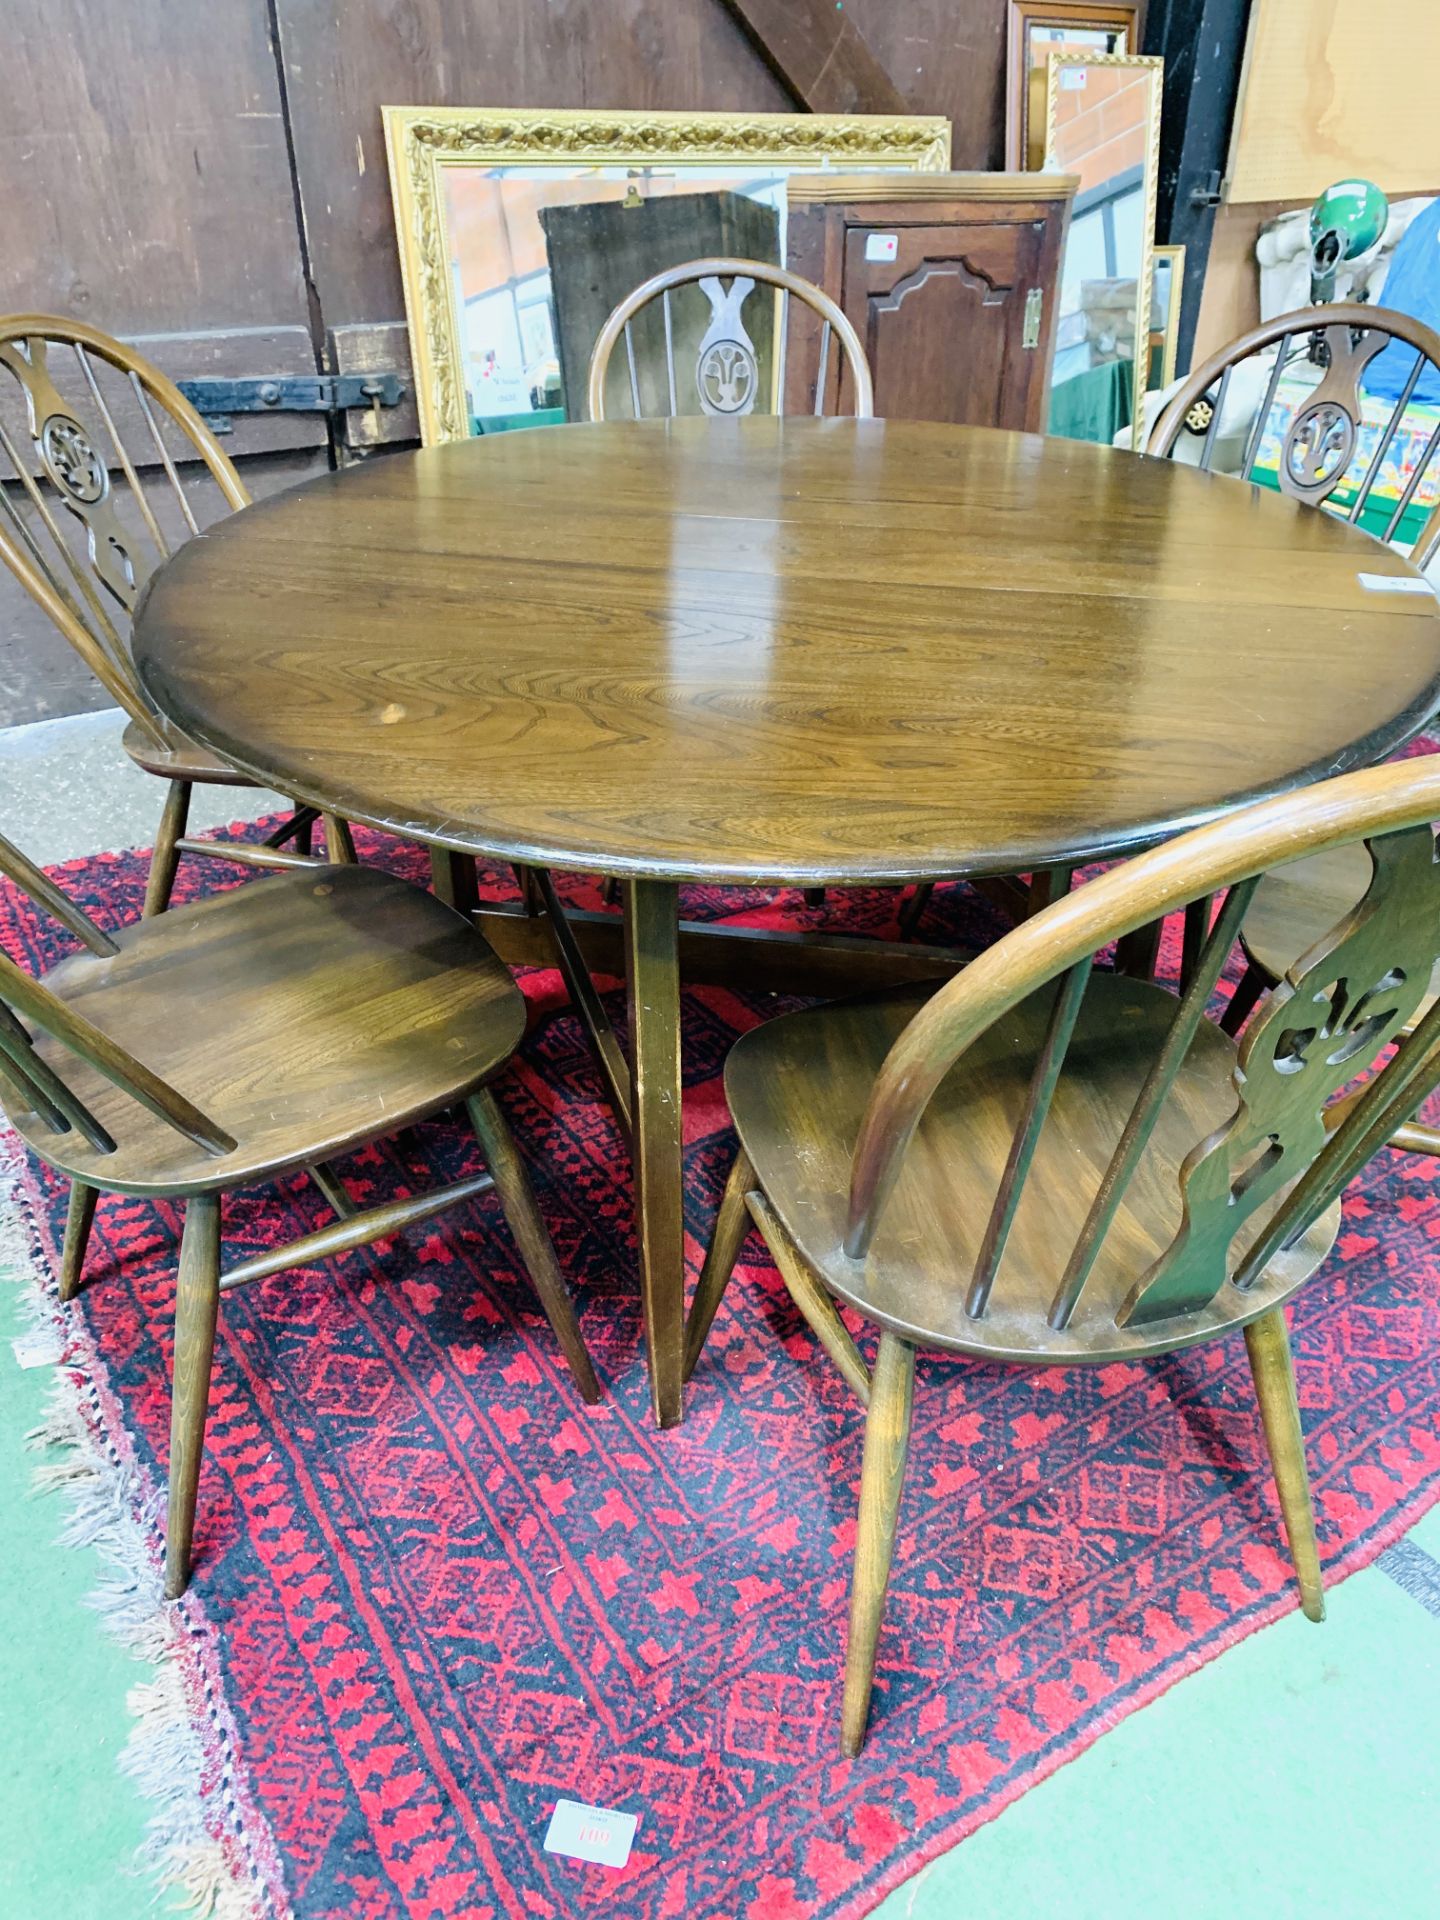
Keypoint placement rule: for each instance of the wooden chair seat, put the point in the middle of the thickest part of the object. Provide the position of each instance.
(798, 1087)
(181, 759)
(304, 1013)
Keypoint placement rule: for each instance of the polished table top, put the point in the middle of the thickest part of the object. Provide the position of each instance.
(786, 650)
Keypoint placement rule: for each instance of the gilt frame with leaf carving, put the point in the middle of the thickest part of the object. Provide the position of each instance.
(422, 142)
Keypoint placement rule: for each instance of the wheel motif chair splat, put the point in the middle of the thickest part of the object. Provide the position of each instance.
(84, 546)
(1326, 443)
(224, 1043)
(1047, 1164)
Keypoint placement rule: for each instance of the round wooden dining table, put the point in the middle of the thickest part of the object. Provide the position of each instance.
(776, 651)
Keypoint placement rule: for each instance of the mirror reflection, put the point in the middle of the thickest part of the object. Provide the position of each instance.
(540, 256)
(1100, 127)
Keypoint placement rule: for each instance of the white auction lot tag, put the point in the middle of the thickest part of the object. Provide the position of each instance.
(1393, 583)
(38, 1348)
(590, 1833)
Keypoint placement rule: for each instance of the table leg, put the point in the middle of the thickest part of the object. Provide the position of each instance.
(652, 956)
(453, 879)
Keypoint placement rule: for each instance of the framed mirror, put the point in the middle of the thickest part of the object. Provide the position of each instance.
(1102, 123)
(1034, 30)
(521, 231)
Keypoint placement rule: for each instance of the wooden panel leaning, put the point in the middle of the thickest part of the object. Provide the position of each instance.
(729, 377)
(1049, 1163)
(1320, 451)
(403, 1010)
(80, 414)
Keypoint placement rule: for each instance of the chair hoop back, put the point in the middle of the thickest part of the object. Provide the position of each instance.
(79, 411)
(1313, 400)
(30, 1080)
(727, 378)
(1342, 1004)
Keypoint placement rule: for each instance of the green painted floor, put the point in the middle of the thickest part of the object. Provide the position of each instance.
(1296, 1775)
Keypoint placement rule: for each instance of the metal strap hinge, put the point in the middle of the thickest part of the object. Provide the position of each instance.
(217, 400)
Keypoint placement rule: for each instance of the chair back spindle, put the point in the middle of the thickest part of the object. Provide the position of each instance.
(729, 377)
(1263, 1177)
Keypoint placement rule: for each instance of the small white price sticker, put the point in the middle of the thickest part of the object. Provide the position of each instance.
(881, 246)
(1393, 583)
(590, 1833)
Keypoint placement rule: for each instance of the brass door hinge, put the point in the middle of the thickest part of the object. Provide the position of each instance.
(1034, 307)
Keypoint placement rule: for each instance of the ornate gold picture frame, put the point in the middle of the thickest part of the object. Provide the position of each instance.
(429, 146)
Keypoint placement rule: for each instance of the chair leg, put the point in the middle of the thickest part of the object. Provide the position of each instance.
(197, 1300)
(1251, 985)
(887, 1440)
(1268, 1344)
(77, 1237)
(913, 911)
(820, 1313)
(517, 1198)
(166, 857)
(339, 842)
(732, 1223)
(299, 828)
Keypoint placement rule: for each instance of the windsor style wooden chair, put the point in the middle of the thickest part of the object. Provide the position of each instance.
(1047, 1163)
(79, 412)
(1322, 451)
(223, 1043)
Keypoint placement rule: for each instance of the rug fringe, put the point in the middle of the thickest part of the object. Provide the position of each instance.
(109, 1510)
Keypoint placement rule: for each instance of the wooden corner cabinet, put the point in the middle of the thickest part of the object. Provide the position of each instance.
(948, 278)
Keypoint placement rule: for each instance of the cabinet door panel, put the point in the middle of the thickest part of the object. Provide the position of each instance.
(943, 321)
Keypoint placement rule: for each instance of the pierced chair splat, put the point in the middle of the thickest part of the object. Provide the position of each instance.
(1046, 1163)
(106, 468)
(405, 1011)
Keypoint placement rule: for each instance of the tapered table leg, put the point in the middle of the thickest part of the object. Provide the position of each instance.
(652, 966)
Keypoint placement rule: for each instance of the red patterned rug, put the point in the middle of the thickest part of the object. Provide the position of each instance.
(434, 1592)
